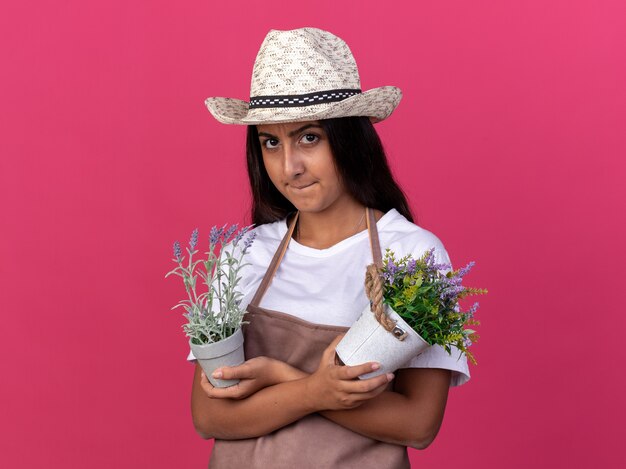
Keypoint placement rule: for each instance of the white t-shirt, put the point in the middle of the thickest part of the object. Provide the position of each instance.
(326, 286)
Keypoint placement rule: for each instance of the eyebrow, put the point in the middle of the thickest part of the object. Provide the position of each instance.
(293, 132)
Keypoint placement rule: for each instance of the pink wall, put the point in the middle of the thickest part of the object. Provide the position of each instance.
(509, 141)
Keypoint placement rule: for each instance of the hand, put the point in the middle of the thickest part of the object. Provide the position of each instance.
(334, 387)
(254, 375)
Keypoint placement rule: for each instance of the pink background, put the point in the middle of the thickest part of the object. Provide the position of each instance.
(509, 141)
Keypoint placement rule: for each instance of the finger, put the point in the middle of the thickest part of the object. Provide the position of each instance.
(329, 353)
(231, 392)
(367, 385)
(232, 372)
(352, 372)
(207, 387)
(204, 379)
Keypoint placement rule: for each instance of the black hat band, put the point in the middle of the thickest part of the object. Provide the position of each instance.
(318, 97)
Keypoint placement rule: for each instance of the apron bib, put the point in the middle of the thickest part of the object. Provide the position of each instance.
(313, 441)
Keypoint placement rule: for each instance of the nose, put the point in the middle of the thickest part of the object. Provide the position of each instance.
(293, 163)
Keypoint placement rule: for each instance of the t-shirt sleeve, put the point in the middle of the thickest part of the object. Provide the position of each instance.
(436, 356)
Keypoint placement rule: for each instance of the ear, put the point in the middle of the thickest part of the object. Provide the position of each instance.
(373, 120)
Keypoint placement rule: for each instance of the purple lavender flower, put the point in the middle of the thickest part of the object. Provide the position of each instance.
(471, 311)
(465, 270)
(230, 232)
(240, 234)
(390, 271)
(442, 266)
(431, 266)
(177, 251)
(445, 282)
(388, 277)
(467, 342)
(410, 266)
(214, 235)
(451, 292)
(193, 242)
(454, 280)
(248, 242)
(430, 257)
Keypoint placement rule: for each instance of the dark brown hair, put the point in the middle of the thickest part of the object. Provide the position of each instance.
(361, 162)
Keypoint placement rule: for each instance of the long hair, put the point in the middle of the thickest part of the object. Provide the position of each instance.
(360, 160)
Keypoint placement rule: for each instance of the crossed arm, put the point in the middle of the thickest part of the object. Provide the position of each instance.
(272, 394)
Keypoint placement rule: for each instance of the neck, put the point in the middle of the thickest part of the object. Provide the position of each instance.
(321, 230)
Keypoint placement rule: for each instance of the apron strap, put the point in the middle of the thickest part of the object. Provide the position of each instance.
(374, 241)
(273, 267)
(282, 249)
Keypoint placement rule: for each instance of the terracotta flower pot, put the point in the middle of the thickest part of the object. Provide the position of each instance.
(227, 352)
(368, 341)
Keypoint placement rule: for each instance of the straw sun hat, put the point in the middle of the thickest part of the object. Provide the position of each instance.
(304, 74)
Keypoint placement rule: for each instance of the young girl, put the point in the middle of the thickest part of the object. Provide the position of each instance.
(325, 205)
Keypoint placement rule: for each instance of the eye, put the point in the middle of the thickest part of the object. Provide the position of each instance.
(309, 139)
(270, 143)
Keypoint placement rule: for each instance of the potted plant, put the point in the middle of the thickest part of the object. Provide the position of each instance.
(214, 317)
(413, 305)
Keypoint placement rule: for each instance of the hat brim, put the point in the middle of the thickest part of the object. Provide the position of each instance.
(377, 104)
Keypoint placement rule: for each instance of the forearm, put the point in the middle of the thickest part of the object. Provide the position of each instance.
(279, 394)
(388, 417)
(391, 416)
(261, 413)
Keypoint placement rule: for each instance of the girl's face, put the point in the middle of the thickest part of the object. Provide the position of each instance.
(299, 161)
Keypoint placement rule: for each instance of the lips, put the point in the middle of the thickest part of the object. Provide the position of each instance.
(304, 186)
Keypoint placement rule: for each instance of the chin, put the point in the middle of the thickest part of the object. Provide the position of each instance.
(314, 202)
(311, 206)
(308, 208)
